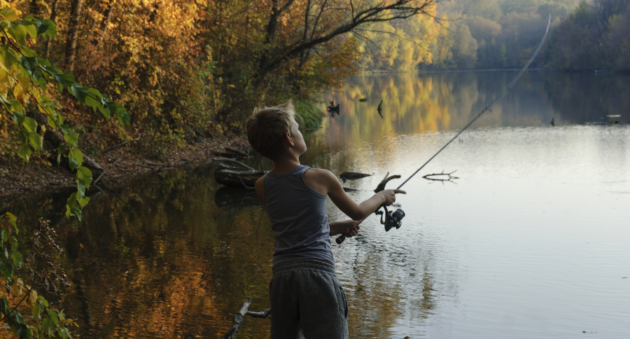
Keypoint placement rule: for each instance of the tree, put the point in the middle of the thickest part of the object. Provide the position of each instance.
(464, 48)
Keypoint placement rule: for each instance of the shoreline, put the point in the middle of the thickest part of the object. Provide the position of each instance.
(25, 182)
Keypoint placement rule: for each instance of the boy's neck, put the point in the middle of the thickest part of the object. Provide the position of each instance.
(285, 165)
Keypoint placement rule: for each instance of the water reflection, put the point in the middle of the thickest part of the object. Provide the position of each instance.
(162, 258)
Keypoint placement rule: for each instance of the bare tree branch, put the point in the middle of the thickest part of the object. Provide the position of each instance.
(317, 19)
(397, 10)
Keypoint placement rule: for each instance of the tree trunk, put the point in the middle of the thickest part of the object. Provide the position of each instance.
(104, 24)
(53, 16)
(272, 26)
(73, 33)
(34, 8)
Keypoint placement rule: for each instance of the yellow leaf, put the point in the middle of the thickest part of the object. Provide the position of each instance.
(33, 297)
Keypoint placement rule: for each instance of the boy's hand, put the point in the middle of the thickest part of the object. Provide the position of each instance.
(349, 228)
(353, 228)
(390, 196)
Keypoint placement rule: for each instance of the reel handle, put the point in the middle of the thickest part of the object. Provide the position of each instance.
(342, 238)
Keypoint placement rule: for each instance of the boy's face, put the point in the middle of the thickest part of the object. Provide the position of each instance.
(299, 146)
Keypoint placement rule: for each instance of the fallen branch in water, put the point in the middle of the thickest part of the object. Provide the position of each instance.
(353, 176)
(235, 177)
(264, 314)
(447, 176)
(238, 320)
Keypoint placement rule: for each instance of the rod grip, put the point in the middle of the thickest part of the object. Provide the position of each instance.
(340, 239)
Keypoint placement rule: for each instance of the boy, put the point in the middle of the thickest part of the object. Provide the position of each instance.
(306, 297)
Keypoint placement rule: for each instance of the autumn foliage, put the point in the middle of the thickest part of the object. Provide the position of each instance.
(192, 68)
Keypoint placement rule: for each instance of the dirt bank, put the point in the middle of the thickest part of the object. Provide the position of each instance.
(23, 182)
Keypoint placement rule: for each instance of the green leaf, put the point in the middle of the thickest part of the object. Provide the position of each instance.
(18, 32)
(41, 27)
(31, 30)
(16, 105)
(104, 111)
(14, 244)
(72, 138)
(60, 151)
(25, 152)
(35, 140)
(24, 332)
(17, 316)
(23, 136)
(66, 79)
(28, 52)
(76, 158)
(7, 271)
(83, 201)
(73, 205)
(8, 13)
(41, 81)
(29, 63)
(124, 118)
(37, 310)
(43, 62)
(5, 255)
(52, 28)
(43, 301)
(80, 189)
(4, 305)
(79, 92)
(46, 326)
(17, 259)
(4, 235)
(18, 117)
(30, 124)
(7, 58)
(93, 99)
(84, 174)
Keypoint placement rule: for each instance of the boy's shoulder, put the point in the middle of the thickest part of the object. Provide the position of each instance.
(319, 174)
(320, 179)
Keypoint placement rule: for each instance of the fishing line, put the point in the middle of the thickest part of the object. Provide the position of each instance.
(487, 108)
(393, 219)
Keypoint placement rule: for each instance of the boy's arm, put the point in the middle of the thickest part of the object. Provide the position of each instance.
(345, 203)
(349, 228)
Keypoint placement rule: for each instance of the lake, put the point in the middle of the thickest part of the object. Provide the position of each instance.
(530, 241)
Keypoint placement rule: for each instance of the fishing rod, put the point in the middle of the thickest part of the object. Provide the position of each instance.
(394, 219)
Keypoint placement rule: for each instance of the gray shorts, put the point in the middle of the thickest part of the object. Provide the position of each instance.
(307, 301)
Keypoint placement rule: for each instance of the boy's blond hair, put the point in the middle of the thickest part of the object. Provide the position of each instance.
(267, 126)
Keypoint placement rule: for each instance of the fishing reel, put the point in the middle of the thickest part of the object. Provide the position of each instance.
(392, 218)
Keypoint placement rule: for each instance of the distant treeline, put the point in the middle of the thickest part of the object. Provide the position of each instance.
(485, 34)
(595, 36)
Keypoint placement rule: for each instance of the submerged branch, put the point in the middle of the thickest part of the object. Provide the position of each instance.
(238, 320)
(444, 176)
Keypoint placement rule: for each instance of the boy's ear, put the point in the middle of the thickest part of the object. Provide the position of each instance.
(288, 139)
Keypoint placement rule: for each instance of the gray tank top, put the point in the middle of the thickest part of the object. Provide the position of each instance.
(299, 220)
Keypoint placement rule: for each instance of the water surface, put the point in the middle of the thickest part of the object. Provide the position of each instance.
(530, 242)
